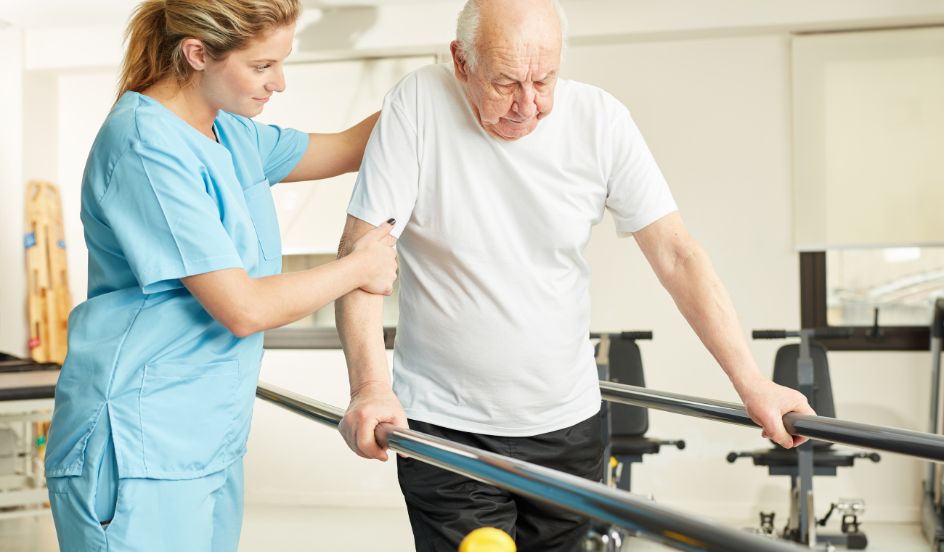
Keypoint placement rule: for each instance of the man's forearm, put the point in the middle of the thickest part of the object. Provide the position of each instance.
(685, 271)
(359, 317)
(706, 305)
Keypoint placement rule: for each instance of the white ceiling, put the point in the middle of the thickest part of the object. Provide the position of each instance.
(58, 13)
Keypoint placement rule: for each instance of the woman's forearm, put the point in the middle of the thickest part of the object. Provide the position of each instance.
(247, 305)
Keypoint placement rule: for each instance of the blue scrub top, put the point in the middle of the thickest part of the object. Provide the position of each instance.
(161, 201)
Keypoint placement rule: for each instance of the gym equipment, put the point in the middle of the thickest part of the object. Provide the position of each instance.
(889, 439)
(593, 500)
(932, 513)
(804, 367)
(48, 299)
(26, 391)
(624, 429)
(620, 361)
(611, 506)
(487, 539)
(25, 379)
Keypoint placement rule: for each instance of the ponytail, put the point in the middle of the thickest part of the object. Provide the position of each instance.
(157, 28)
(148, 57)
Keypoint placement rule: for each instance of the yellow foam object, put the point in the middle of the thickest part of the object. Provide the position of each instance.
(487, 539)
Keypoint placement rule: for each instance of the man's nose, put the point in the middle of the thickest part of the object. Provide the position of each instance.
(525, 105)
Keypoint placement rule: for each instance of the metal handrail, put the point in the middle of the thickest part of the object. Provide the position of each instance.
(889, 439)
(593, 500)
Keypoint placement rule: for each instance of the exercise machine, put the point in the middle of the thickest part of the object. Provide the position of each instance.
(804, 366)
(619, 360)
(26, 391)
(932, 515)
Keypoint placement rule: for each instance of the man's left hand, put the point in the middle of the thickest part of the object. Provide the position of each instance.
(767, 403)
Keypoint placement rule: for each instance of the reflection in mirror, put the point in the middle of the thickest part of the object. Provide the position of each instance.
(901, 282)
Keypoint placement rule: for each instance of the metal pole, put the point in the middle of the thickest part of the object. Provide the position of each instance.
(569, 492)
(889, 439)
(937, 335)
(805, 380)
(935, 392)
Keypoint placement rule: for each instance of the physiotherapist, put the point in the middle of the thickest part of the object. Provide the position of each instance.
(155, 397)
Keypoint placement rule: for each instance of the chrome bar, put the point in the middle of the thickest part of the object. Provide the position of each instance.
(300, 404)
(593, 500)
(937, 335)
(889, 439)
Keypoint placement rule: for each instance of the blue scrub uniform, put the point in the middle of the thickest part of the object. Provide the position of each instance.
(154, 401)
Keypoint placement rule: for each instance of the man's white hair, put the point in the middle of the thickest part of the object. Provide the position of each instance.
(467, 29)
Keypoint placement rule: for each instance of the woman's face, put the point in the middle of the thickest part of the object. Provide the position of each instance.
(244, 80)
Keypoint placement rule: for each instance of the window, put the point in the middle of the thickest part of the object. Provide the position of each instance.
(901, 283)
(868, 120)
(843, 288)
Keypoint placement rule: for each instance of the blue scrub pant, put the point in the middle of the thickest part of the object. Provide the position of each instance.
(144, 515)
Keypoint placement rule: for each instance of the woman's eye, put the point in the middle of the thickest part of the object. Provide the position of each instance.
(261, 68)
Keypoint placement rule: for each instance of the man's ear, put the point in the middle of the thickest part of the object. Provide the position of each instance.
(459, 61)
(194, 52)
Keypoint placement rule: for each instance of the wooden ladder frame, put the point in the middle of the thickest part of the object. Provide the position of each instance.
(48, 298)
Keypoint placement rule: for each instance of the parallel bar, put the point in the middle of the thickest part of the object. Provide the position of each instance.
(300, 404)
(889, 439)
(569, 492)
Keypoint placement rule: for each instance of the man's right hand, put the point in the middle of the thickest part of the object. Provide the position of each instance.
(370, 406)
(379, 259)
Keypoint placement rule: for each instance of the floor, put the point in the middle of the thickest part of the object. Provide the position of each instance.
(348, 530)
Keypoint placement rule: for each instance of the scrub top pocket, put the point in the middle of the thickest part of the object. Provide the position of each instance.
(264, 218)
(187, 415)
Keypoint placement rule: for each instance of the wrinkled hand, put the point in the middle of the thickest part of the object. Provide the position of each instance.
(370, 406)
(767, 403)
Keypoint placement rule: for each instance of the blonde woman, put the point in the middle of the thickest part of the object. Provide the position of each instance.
(154, 401)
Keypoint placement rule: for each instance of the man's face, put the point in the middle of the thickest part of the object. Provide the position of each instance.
(511, 87)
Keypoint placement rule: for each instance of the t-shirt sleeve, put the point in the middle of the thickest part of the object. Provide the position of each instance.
(387, 182)
(162, 214)
(637, 193)
(280, 149)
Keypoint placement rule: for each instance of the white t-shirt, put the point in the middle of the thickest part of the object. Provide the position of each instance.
(494, 287)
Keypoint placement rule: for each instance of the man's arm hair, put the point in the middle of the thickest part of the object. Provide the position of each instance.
(359, 319)
(685, 271)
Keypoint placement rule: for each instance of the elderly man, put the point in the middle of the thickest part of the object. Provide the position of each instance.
(496, 170)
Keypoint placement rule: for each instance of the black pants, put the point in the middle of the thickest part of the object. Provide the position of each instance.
(444, 507)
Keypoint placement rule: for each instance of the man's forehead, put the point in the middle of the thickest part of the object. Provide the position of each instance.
(534, 58)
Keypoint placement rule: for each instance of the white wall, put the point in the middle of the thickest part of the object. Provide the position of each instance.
(83, 102)
(324, 97)
(294, 461)
(708, 84)
(716, 114)
(13, 333)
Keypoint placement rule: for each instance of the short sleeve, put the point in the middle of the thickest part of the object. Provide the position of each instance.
(280, 149)
(637, 193)
(388, 179)
(164, 219)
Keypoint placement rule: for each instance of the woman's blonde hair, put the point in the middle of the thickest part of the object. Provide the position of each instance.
(157, 28)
